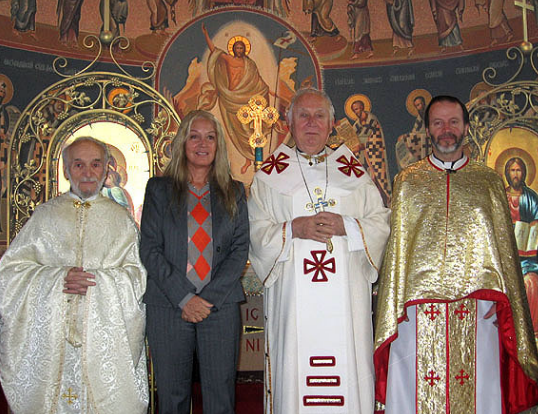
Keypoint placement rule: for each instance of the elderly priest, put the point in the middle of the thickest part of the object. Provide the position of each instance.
(317, 267)
(71, 285)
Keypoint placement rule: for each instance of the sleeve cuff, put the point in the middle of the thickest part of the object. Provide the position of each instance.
(353, 234)
(287, 234)
(184, 301)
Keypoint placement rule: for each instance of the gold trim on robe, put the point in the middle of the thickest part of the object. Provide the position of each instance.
(451, 239)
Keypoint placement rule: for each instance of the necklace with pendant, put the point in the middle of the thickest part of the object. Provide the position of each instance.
(321, 203)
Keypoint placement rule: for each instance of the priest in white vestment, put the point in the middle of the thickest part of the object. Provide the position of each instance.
(72, 321)
(453, 327)
(318, 231)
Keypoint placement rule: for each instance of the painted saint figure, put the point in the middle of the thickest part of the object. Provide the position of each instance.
(523, 203)
(402, 21)
(358, 17)
(499, 28)
(119, 9)
(371, 152)
(321, 23)
(9, 116)
(234, 79)
(68, 12)
(23, 15)
(158, 13)
(415, 145)
(445, 14)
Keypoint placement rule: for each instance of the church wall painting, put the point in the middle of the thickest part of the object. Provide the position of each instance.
(399, 30)
(277, 62)
(513, 153)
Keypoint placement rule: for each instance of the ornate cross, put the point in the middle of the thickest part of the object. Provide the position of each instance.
(70, 397)
(258, 112)
(524, 8)
(431, 379)
(320, 205)
(462, 311)
(433, 312)
(462, 377)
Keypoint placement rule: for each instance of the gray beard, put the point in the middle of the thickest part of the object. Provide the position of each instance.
(76, 190)
(448, 150)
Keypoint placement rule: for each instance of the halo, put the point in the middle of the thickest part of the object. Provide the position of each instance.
(9, 88)
(118, 91)
(527, 158)
(409, 103)
(481, 88)
(353, 98)
(235, 39)
(514, 141)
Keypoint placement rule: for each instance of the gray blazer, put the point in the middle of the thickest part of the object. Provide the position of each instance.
(163, 247)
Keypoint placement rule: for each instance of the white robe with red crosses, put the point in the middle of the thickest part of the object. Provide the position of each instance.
(317, 304)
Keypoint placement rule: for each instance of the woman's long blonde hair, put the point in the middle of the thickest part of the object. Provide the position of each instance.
(219, 176)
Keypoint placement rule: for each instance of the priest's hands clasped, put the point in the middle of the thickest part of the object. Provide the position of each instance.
(77, 281)
(320, 227)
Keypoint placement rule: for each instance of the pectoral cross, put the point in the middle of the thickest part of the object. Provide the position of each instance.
(319, 206)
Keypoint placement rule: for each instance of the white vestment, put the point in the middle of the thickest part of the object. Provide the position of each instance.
(317, 304)
(66, 353)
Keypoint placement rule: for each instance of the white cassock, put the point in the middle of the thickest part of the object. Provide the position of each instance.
(63, 353)
(317, 304)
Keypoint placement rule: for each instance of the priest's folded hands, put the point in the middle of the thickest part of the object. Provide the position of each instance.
(77, 281)
(320, 227)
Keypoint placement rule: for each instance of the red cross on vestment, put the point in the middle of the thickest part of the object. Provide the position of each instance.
(319, 266)
(462, 311)
(350, 166)
(431, 379)
(462, 377)
(433, 312)
(275, 163)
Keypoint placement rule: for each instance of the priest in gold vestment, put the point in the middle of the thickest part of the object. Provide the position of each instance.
(72, 320)
(453, 328)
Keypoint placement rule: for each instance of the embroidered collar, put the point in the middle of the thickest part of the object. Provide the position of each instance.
(77, 198)
(450, 165)
(314, 159)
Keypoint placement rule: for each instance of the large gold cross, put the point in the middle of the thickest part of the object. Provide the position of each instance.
(258, 112)
(524, 8)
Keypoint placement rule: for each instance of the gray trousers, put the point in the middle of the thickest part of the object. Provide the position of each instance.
(172, 343)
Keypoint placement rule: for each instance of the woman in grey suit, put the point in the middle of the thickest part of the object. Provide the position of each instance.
(194, 245)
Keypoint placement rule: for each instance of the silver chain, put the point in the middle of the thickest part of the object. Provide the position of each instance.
(304, 179)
